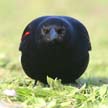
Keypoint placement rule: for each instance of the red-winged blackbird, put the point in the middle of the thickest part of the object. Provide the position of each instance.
(55, 46)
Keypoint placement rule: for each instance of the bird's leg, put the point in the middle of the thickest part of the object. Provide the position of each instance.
(35, 83)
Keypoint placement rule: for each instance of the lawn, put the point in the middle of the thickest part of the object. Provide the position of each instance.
(92, 88)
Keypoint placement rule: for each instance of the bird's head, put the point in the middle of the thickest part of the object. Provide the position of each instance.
(52, 30)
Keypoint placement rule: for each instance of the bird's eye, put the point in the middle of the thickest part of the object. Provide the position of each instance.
(46, 31)
(59, 31)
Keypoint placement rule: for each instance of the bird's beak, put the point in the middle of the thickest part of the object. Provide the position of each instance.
(53, 34)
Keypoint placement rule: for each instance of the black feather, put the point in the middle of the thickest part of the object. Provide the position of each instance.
(65, 57)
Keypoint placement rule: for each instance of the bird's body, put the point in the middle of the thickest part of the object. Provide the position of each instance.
(55, 46)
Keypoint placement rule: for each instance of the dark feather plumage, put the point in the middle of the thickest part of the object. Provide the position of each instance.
(55, 46)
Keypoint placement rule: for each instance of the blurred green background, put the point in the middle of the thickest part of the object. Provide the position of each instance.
(16, 14)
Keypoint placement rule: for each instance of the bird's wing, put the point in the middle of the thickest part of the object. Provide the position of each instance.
(81, 31)
(27, 39)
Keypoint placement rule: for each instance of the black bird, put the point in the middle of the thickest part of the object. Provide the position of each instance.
(55, 46)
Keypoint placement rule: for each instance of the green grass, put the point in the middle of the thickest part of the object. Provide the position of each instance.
(93, 90)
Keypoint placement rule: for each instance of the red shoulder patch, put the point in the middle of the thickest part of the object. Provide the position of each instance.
(25, 34)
